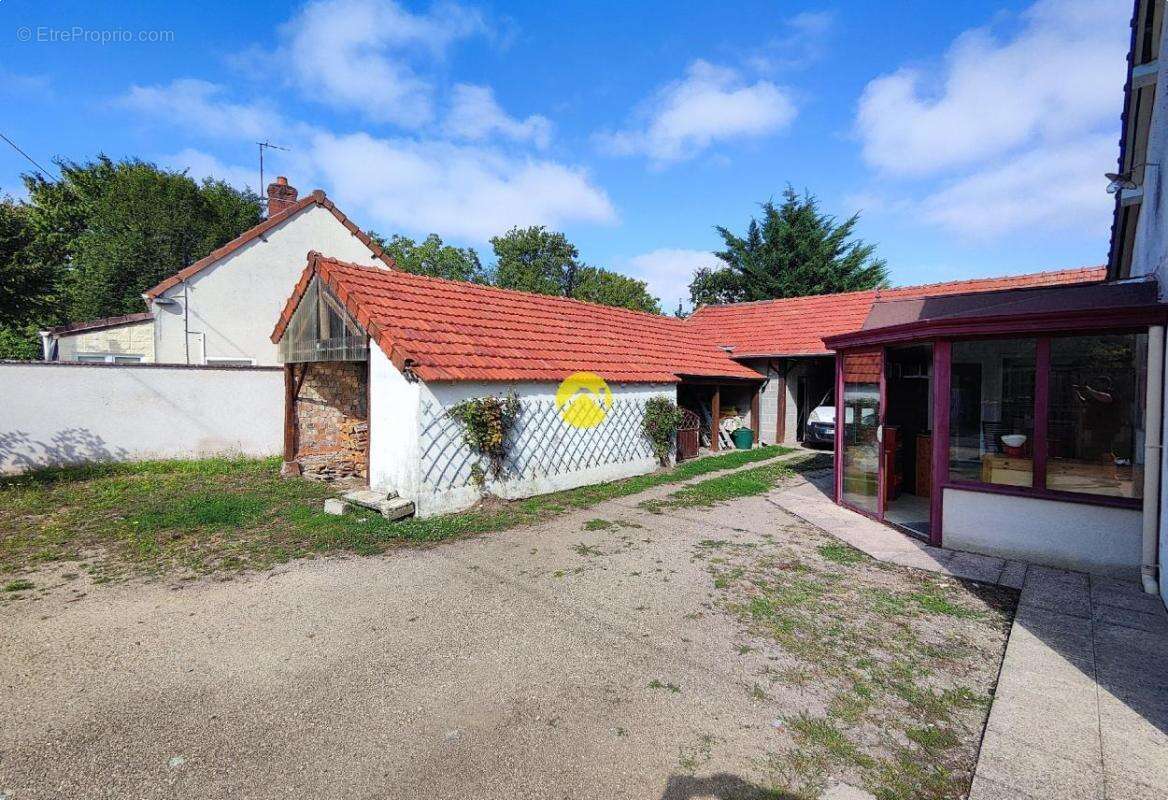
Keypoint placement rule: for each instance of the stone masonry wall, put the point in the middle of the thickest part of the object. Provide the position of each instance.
(332, 421)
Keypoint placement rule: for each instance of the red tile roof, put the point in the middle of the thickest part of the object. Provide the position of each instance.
(317, 198)
(798, 325)
(454, 331)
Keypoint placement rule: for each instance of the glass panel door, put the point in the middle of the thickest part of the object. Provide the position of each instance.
(861, 480)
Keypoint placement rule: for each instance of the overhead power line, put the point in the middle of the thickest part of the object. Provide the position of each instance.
(30, 159)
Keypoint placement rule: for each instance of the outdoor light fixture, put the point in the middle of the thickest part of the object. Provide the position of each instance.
(1119, 180)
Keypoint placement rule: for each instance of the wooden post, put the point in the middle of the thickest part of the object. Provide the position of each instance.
(715, 414)
(781, 424)
(290, 466)
(754, 414)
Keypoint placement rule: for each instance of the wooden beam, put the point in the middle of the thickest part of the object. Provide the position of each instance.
(715, 419)
(290, 467)
(781, 425)
(755, 426)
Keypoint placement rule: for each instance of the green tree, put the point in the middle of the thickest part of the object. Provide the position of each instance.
(141, 224)
(609, 288)
(26, 286)
(538, 260)
(22, 289)
(100, 237)
(434, 258)
(792, 251)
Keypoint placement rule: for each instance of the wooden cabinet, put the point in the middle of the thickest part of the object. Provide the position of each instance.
(893, 479)
(1007, 470)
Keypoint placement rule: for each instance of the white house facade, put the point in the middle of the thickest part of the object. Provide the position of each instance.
(219, 311)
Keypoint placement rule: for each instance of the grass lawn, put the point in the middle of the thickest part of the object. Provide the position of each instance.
(744, 483)
(223, 515)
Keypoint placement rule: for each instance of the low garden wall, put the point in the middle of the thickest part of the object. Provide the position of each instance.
(54, 414)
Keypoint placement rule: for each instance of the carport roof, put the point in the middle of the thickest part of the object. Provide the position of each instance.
(447, 330)
(799, 325)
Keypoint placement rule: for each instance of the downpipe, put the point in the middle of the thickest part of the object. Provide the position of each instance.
(1153, 455)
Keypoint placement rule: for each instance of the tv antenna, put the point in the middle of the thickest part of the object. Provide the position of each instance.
(267, 146)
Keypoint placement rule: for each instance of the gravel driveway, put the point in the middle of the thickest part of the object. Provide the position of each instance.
(570, 660)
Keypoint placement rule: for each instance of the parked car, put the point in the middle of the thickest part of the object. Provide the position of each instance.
(820, 428)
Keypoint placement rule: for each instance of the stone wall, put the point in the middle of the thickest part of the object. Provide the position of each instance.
(332, 421)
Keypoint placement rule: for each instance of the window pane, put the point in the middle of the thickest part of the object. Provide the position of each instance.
(991, 411)
(861, 456)
(1095, 434)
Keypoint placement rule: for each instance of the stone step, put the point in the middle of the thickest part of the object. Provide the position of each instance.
(368, 498)
(396, 508)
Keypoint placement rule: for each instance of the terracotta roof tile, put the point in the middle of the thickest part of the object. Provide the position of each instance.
(450, 331)
(798, 325)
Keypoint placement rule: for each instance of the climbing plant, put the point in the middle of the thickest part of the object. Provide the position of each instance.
(662, 419)
(486, 423)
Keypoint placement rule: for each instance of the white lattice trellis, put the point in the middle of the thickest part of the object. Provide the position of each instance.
(540, 445)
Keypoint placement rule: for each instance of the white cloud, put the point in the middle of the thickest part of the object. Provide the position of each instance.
(708, 105)
(411, 184)
(361, 55)
(1059, 76)
(1054, 188)
(668, 271)
(201, 165)
(201, 107)
(802, 42)
(18, 83)
(475, 115)
(459, 191)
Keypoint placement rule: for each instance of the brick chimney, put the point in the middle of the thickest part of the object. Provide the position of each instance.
(280, 196)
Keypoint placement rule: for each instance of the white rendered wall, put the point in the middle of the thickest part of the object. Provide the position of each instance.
(1075, 536)
(393, 427)
(58, 413)
(234, 303)
(551, 436)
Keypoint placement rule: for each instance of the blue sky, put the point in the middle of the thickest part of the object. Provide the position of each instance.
(973, 136)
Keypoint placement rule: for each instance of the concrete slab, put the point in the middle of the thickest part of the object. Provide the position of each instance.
(975, 567)
(1055, 596)
(1013, 574)
(1083, 694)
(1014, 764)
(1112, 592)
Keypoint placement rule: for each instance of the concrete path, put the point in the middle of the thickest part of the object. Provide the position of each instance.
(1081, 708)
(810, 499)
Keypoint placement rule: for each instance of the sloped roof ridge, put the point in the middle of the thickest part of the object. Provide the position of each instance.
(509, 292)
(911, 288)
(316, 197)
